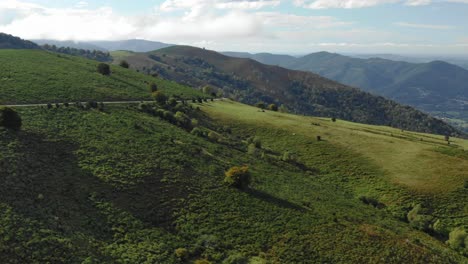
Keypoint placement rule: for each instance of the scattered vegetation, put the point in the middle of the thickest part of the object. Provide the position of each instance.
(88, 54)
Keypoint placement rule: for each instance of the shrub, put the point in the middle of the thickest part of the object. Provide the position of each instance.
(159, 97)
(458, 238)
(198, 132)
(236, 259)
(172, 102)
(288, 157)
(181, 253)
(153, 87)
(256, 141)
(440, 228)
(207, 89)
(260, 105)
(10, 119)
(418, 218)
(333, 119)
(124, 64)
(213, 136)
(273, 107)
(49, 106)
(253, 150)
(183, 120)
(238, 177)
(103, 69)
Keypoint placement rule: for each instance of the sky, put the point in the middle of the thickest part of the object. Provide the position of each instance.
(437, 27)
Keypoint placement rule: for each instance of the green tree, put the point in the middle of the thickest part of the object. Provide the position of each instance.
(238, 177)
(124, 64)
(103, 69)
(207, 90)
(153, 87)
(273, 107)
(159, 97)
(10, 119)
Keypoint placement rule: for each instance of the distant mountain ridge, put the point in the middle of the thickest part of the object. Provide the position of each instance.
(135, 45)
(11, 42)
(436, 87)
(302, 92)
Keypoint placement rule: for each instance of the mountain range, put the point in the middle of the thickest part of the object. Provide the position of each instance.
(436, 87)
(302, 92)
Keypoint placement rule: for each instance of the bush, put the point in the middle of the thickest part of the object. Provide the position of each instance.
(260, 105)
(288, 157)
(256, 141)
(418, 218)
(159, 97)
(253, 150)
(213, 136)
(124, 64)
(458, 239)
(183, 120)
(198, 132)
(238, 177)
(207, 89)
(153, 87)
(181, 253)
(273, 107)
(236, 259)
(103, 69)
(10, 119)
(440, 228)
(172, 102)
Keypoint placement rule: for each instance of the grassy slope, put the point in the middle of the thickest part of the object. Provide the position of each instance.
(32, 76)
(122, 186)
(411, 166)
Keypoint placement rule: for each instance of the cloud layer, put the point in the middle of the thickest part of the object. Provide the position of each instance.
(248, 25)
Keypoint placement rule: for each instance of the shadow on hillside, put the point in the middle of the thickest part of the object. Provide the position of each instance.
(273, 200)
(44, 182)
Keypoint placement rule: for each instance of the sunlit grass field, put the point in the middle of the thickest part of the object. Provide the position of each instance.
(35, 76)
(401, 168)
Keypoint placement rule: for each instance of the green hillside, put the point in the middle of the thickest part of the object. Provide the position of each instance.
(435, 87)
(122, 185)
(36, 76)
(11, 42)
(301, 92)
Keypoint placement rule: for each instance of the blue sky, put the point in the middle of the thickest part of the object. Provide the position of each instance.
(437, 27)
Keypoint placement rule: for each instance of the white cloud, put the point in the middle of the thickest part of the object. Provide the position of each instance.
(423, 26)
(323, 4)
(82, 4)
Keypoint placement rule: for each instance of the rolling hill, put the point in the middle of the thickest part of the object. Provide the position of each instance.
(435, 87)
(37, 76)
(122, 185)
(301, 92)
(12, 42)
(146, 183)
